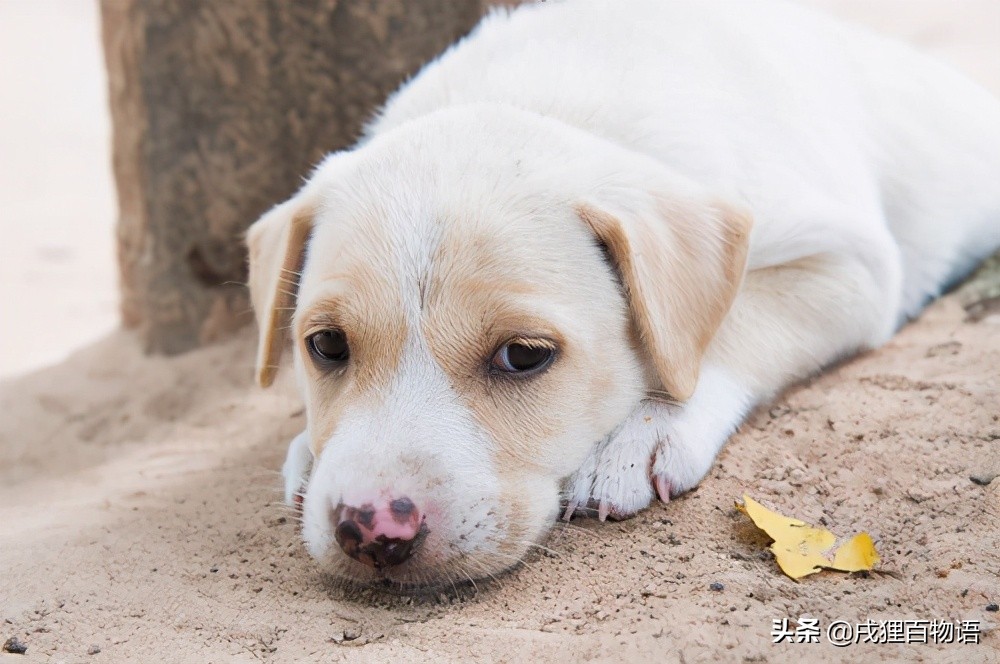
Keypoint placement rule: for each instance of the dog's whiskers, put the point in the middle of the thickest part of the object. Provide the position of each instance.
(540, 547)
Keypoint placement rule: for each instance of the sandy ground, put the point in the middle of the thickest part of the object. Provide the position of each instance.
(139, 515)
(57, 213)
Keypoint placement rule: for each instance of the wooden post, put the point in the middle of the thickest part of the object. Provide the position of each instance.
(219, 110)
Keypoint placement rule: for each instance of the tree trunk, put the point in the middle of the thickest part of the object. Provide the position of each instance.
(220, 109)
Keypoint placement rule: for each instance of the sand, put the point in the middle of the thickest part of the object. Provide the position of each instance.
(57, 198)
(140, 515)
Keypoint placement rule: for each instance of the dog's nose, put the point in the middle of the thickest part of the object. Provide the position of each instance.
(382, 533)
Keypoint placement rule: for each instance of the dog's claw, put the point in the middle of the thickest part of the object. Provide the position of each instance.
(570, 509)
(603, 510)
(662, 487)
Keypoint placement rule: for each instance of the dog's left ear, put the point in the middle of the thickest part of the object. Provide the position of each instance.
(277, 243)
(681, 261)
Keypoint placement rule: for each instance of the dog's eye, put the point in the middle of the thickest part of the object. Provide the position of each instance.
(328, 346)
(519, 358)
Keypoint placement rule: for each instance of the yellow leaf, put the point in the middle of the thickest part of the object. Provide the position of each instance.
(795, 563)
(856, 554)
(801, 550)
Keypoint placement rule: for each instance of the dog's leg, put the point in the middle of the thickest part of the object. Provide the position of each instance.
(788, 322)
(663, 446)
(296, 468)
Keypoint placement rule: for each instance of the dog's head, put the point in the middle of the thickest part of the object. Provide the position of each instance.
(475, 299)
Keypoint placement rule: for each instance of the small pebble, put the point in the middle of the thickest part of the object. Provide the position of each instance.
(993, 608)
(14, 646)
(716, 586)
(983, 479)
(349, 634)
(93, 650)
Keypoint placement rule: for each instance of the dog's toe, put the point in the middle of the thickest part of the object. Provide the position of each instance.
(680, 462)
(616, 476)
(662, 484)
(622, 488)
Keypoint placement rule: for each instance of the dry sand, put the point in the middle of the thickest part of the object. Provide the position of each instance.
(57, 199)
(138, 506)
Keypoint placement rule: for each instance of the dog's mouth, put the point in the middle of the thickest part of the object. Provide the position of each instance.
(439, 539)
(423, 565)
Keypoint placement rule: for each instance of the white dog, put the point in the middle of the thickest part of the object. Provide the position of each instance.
(576, 250)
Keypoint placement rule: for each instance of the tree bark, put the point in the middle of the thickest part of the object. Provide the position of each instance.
(219, 110)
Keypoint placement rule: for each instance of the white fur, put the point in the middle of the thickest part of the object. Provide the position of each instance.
(394, 447)
(677, 443)
(295, 470)
(870, 171)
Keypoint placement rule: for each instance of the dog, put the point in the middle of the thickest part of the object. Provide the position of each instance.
(570, 255)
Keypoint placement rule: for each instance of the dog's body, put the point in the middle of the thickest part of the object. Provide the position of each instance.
(470, 224)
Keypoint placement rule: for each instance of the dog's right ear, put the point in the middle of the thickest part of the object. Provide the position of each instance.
(277, 244)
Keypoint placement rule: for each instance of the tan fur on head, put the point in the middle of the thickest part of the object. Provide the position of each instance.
(681, 266)
(277, 244)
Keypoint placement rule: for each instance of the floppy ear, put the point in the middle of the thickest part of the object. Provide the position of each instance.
(277, 243)
(681, 262)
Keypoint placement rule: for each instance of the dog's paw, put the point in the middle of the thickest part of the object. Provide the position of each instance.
(661, 449)
(616, 477)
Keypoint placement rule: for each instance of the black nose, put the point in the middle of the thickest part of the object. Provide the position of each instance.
(382, 536)
(402, 508)
(379, 553)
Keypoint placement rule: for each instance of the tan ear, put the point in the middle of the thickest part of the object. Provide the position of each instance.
(681, 263)
(276, 245)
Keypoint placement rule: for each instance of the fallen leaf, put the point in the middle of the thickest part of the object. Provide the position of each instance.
(801, 549)
(857, 554)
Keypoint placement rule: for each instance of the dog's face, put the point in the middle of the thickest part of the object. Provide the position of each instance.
(462, 339)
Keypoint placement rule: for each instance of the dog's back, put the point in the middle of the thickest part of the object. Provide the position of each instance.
(889, 133)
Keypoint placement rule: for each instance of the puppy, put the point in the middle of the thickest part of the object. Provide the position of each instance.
(571, 254)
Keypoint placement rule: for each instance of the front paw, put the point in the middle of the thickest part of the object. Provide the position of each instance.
(617, 477)
(661, 449)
